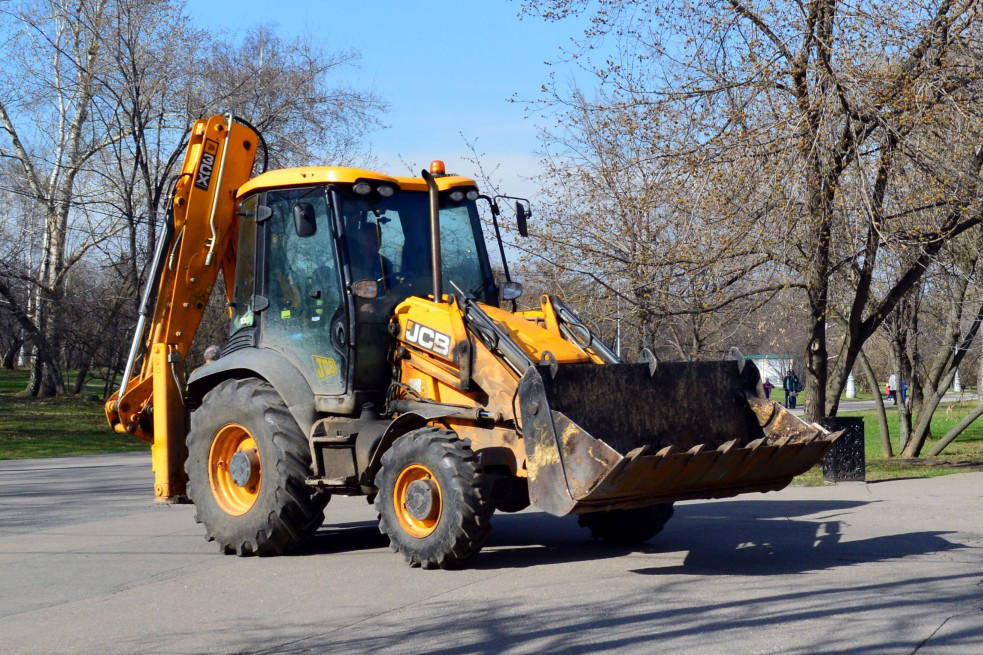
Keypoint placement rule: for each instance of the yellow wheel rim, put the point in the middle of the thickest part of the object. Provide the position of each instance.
(416, 527)
(232, 498)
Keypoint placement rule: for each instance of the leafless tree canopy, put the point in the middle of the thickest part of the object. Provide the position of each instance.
(729, 150)
(96, 97)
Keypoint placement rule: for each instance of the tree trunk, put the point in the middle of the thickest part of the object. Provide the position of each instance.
(956, 430)
(882, 423)
(11, 355)
(979, 378)
(816, 366)
(80, 377)
(944, 368)
(926, 411)
(960, 427)
(820, 209)
(24, 354)
(34, 381)
(904, 416)
(52, 382)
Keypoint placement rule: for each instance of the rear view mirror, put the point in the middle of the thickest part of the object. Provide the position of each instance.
(521, 214)
(511, 290)
(523, 210)
(305, 222)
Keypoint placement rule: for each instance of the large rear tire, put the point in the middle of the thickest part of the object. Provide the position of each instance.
(433, 501)
(247, 465)
(627, 527)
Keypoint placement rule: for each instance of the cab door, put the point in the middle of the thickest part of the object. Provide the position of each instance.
(305, 318)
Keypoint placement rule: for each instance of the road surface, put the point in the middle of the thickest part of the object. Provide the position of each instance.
(88, 564)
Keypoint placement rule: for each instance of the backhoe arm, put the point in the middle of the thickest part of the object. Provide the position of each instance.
(198, 240)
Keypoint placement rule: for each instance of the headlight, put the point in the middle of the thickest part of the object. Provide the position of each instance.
(385, 190)
(362, 188)
(457, 195)
(473, 194)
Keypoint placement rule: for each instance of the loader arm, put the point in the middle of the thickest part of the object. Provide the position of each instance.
(197, 241)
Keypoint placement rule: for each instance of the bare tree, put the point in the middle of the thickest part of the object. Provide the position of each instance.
(957, 329)
(46, 102)
(285, 89)
(809, 135)
(96, 100)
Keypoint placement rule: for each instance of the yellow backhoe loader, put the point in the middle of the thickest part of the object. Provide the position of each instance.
(369, 354)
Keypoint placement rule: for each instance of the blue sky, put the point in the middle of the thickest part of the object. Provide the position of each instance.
(445, 68)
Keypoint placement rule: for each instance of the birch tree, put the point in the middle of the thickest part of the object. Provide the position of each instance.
(55, 53)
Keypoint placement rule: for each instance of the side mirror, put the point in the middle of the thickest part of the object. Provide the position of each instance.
(523, 210)
(305, 223)
(511, 290)
(366, 289)
(521, 214)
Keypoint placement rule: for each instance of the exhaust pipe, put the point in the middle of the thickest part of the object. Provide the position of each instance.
(438, 287)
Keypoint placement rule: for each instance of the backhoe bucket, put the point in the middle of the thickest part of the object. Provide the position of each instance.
(601, 437)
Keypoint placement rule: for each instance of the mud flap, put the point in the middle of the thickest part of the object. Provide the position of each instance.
(621, 436)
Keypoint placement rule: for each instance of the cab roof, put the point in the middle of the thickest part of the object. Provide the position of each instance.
(289, 177)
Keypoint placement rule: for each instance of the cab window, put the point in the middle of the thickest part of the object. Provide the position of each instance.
(242, 295)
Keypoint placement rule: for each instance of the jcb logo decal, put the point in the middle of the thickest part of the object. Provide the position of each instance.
(428, 338)
(207, 164)
(324, 367)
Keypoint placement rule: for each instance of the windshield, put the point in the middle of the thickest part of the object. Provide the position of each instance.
(388, 240)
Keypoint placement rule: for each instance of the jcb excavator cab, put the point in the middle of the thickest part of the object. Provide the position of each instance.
(320, 290)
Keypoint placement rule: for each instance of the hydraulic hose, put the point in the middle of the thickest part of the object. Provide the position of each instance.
(149, 293)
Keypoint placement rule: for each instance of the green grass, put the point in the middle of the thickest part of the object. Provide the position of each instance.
(54, 427)
(964, 454)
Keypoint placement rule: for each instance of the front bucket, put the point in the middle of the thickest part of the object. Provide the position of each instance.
(600, 437)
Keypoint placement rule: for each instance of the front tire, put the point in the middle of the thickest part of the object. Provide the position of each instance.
(433, 501)
(247, 465)
(627, 527)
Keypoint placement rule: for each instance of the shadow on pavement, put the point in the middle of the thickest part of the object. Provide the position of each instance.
(662, 612)
(343, 538)
(661, 619)
(749, 537)
(762, 538)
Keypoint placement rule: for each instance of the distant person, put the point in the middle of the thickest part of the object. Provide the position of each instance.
(892, 388)
(790, 384)
(767, 386)
(793, 390)
(887, 390)
(212, 353)
(904, 391)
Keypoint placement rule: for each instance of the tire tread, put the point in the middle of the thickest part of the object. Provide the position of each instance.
(469, 493)
(296, 513)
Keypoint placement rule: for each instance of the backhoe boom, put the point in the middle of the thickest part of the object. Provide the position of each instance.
(197, 241)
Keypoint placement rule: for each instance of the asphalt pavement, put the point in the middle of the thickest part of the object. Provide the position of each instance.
(89, 564)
